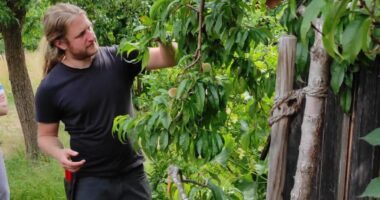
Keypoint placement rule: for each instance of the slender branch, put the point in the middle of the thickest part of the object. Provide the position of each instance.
(197, 58)
(316, 29)
(174, 172)
(198, 53)
(362, 3)
(191, 7)
(194, 182)
(201, 8)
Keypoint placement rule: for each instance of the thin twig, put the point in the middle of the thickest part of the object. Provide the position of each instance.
(316, 29)
(363, 3)
(191, 7)
(198, 53)
(196, 57)
(193, 182)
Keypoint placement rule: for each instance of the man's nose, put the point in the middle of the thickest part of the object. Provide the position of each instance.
(91, 36)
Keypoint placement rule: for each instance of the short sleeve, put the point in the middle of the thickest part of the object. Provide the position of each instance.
(46, 109)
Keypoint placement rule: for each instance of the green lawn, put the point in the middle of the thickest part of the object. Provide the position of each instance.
(42, 179)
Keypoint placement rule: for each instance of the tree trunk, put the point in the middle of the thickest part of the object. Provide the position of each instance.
(309, 149)
(21, 86)
(279, 133)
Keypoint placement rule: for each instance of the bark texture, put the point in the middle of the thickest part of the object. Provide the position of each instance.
(279, 132)
(312, 120)
(19, 78)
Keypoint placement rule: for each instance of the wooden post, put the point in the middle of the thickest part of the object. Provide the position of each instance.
(309, 149)
(279, 133)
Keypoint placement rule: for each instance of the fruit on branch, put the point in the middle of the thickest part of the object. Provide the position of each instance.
(206, 67)
(172, 92)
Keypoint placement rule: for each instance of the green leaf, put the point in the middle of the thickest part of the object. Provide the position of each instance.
(153, 141)
(373, 189)
(373, 137)
(152, 121)
(218, 24)
(164, 140)
(127, 47)
(206, 148)
(165, 119)
(146, 21)
(346, 100)
(186, 115)
(246, 186)
(182, 62)
(214, 144)
(199, 146)
(168, 9)
(332, 15)
(219, 142)
(216, 191)
(338, 71)
(184, 141)
(311, 12)
(365, 34)
(139, 28)
(243, 39)
(200, 97)
(155, 10)
(293, 7)
(223, 156)
(245, 141)
(353, 38)
(214, 97)
(302, 54)
(181, 88)
(145, 60)
(348, 79)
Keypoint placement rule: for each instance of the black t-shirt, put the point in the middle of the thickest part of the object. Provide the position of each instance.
(87, 101)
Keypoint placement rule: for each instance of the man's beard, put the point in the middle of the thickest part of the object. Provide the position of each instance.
(88, 52)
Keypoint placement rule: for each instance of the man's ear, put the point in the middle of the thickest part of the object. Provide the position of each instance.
(60, 44)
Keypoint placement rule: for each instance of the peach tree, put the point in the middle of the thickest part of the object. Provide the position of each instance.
(208, 114)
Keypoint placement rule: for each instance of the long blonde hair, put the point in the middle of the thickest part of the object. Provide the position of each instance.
(55, 23)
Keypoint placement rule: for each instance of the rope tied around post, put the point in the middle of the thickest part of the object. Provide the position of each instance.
(292, 101)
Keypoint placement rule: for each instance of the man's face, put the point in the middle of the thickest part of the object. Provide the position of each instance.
(80, 39)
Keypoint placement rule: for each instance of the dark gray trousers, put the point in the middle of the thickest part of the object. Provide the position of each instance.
(132, 185)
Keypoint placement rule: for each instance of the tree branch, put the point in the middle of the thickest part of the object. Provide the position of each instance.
(174, 172)
(191, 7)
(193, 182)
(198, 53)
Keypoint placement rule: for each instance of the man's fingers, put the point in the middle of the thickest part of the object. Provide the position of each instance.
(71, 152)
(73, 166)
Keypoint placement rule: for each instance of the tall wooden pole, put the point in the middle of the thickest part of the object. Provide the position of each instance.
(279, 133)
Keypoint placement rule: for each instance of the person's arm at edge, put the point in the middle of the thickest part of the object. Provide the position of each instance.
(162, 56)
(3, 105)
(49, 143)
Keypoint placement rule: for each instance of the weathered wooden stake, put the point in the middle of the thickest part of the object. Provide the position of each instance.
(279, 133)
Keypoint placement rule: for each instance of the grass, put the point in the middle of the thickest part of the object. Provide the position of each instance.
(42, 179)
(32, 181)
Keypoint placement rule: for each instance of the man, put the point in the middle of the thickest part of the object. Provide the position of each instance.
(4, 187)
(86, 87)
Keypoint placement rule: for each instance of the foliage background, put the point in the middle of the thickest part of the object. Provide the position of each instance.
(241, 49)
